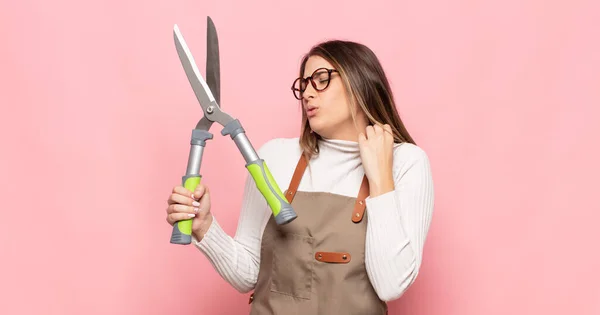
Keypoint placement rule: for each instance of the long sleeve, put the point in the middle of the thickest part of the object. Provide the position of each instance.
(397, 222)
(397, 226)
(237, 258)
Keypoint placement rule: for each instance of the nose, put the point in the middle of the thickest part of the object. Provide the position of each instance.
(309, 92)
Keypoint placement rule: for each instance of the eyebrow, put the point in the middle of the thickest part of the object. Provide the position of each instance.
(321, 69)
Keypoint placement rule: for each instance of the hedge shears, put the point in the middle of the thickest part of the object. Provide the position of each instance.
(208, 94)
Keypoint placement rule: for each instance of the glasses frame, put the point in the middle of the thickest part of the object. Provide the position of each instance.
(312, 82)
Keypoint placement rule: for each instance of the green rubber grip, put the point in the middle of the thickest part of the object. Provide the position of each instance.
(282, 210)
(182, 230)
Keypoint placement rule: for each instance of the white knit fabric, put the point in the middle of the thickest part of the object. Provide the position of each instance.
(397, 226)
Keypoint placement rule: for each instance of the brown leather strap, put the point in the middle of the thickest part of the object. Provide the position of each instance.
(295, 182)
(359, 204)
(333, 257)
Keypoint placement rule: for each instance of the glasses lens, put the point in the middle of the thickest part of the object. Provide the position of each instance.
(297, 94)
(321, 79)
(297, 88)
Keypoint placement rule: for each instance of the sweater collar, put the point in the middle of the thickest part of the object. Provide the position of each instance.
(345, 146)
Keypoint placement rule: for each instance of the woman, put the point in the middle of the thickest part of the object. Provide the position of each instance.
(364, 203)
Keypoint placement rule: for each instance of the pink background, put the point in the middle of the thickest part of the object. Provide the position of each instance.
(97, 112)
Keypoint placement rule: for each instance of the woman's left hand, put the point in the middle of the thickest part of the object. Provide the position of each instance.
(377, 155)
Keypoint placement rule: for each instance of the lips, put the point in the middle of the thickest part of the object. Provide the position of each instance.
(311, 110)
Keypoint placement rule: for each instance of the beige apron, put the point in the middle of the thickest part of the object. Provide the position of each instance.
(315, 265)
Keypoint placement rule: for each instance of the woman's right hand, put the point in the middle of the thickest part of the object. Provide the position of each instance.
(183, 204)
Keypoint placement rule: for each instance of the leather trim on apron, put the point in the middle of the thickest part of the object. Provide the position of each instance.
(315, 265)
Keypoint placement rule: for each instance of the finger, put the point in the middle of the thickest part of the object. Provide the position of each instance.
(182, 191)
(388, 131)
(174, 217)
(180, 199)
(173, 192)
(370, 131)
(377, 129)
(205, 200)
(177, 208)
(200, 190)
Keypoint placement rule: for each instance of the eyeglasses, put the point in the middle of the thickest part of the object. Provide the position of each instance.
(319, 80)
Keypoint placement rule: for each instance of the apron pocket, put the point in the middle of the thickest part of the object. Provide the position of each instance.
(293, 259)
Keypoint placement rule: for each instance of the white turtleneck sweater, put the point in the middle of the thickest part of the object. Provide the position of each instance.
(396, 230)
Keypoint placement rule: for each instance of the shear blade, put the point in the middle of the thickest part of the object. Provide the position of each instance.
(199, 86)
(213, 65)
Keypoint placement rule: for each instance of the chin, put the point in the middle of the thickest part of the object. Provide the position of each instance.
(316, 125)
(320, 128)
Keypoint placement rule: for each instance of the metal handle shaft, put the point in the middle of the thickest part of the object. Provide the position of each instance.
(266, 184)
(182, 230)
